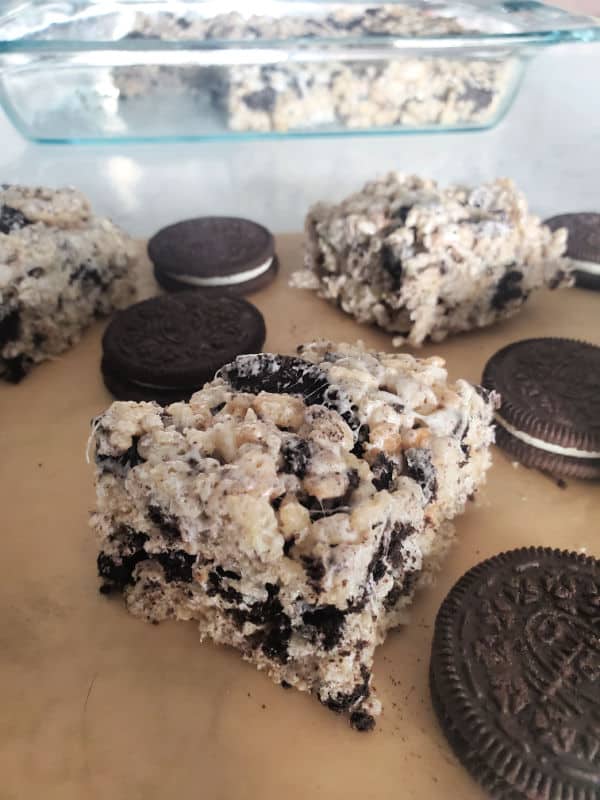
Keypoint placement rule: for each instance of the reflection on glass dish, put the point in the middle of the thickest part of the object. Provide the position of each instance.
(91, 70)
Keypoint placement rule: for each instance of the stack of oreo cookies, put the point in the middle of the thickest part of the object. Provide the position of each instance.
(166, 348)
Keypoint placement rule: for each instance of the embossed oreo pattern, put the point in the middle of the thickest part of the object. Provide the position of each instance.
(211, 246)
(177, 339)
(515, 673)
(550, 389)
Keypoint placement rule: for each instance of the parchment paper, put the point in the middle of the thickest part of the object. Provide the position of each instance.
(96, 704)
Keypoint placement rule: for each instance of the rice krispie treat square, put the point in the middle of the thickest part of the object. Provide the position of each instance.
(292, 507)
(60, 267)
(424, 262)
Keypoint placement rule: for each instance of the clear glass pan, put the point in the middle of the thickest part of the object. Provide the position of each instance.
(95, 70)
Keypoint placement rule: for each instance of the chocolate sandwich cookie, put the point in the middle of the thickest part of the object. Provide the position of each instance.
(550, 413)
(515, 674)
(583, 246)
(167, 347)
(214, 254)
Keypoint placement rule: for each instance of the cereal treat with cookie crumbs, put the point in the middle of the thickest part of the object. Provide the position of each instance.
(292, 507)
(341, 91)
(60, 266)
(424, 262)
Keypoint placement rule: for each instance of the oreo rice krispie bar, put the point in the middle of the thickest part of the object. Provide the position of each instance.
(424, 262)
(292, 507)
(60, 266)
(283, 96)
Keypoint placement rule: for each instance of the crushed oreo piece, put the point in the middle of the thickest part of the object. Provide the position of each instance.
(361, 721)
(265, 372)
(261, 100)
(384, 472)
(328, 621)
(86, 274)
(9, 327)
(126, 460)
(392, 265)
(342, 702)
(11, 219)
(362, 437)
(399, 533)
(177, 565)
(508, 289)
(296, 455)
(420, 468)
(314, 568)
(16, 368)
(168, 523)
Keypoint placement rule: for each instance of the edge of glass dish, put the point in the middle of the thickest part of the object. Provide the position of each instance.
(567, 27)
(244, 136)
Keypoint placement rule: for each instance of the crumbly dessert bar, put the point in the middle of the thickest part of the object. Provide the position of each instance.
(424, 262)
(60, 266)
(292, 507)
(407, 91)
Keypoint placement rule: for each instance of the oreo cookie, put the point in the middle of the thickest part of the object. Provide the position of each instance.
(515, 674)
(214, 255)
(550, 413)
(268, 372)
(167, 347)
(583, 246)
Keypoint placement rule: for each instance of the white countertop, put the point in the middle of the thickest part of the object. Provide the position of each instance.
(549, 143)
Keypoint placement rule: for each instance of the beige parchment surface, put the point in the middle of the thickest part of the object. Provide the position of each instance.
(96, 704)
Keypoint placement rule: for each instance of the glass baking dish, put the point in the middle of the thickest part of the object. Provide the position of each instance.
(96, 70)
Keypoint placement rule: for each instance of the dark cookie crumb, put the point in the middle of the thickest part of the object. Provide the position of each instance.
(16, 368)
(420, 468)
(384, 472)
(392, 597)
(261, 100)
(314, 568)
(177, 565)
(87, 274)
(117, 573)
(328, 621)
(361, 721)
(168, 523)
(331, 505)
(12, 220)
(126, 460)
(10, 326)
(481, 98)
(392, 265)
(399, 533)
(401, 213)
(296, 455)
(362, 436)
(228, 573)
(276, 632)
(508, 289)
(287, 545)
(215, 586)
(377, 568)
(343, 701)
